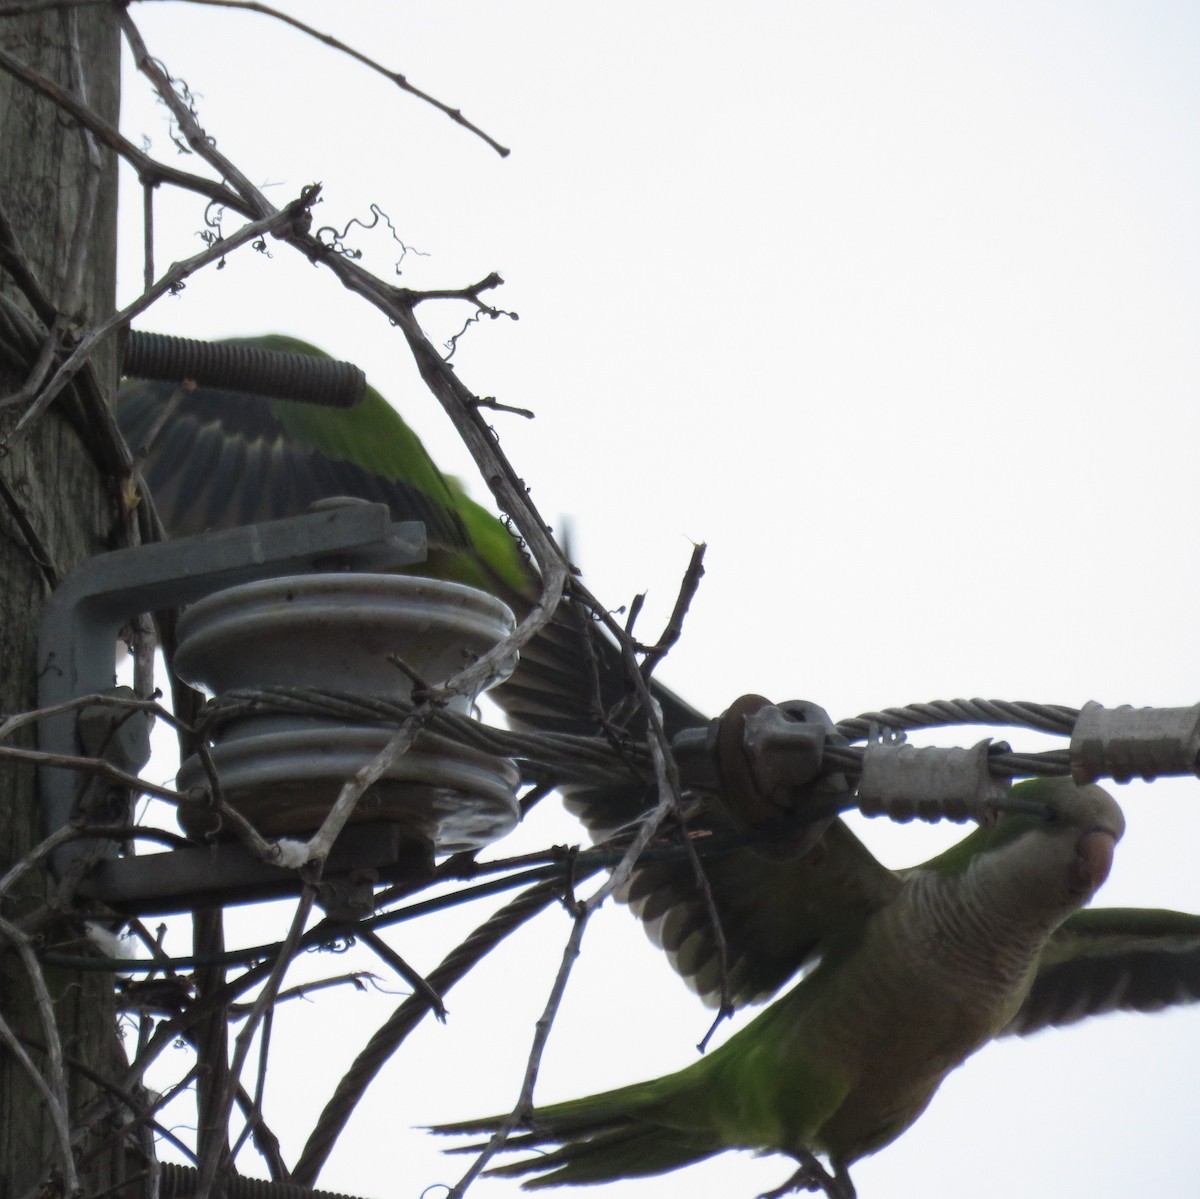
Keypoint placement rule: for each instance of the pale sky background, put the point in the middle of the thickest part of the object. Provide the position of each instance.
(894, 306)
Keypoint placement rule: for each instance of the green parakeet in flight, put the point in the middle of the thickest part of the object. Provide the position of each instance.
(214, 459)
(908, 972)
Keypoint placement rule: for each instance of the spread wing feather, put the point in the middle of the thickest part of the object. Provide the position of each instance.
(1113, 959)
(215, 459)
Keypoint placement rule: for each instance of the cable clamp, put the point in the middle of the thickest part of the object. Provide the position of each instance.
(1127, 742)
(906, 782)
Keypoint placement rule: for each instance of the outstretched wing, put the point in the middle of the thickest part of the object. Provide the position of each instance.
(218, 459)
(777, 913)
(215, 459)
(1113, 959)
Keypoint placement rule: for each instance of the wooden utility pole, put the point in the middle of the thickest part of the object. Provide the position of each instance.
(56, 510)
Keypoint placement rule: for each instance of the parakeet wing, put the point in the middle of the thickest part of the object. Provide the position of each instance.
(213, 459)
(776, 913)
(1113, 959)
(216, 459)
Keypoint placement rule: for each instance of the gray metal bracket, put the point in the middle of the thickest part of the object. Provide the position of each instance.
(226, 872)
(85, 615)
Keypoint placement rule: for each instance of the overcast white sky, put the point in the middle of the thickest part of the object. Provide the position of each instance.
(894, 306)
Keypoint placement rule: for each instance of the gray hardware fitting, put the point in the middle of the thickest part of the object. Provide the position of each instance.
(86, 614)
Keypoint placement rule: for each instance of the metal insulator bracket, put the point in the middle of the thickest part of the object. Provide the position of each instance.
(766, 763)
(906, 782)
(1127, 742)
(83, 618)
(785, 745)
(120, 736)
(695, 758)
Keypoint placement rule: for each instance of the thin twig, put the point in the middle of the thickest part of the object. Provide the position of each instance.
(71, 291)
(227, 815)
(97, 767)
(211, 1163)
(668, 801)
(521, 1112)
(355, 787)
(40, 367)
(15, 264)
(683, 601)
(251, 1125)
(419, 984)
(141, 1109)
(388, 1038)
(357, 979)
(277, 223)
(198, 141)
(393, 76)
(32, 857)
(148, 189)
(148, 169)
(113, 699)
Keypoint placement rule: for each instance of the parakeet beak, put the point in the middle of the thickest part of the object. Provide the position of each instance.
(1093, 861)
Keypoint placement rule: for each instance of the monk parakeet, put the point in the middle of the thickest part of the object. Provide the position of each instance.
(914, 971)
(214, 459)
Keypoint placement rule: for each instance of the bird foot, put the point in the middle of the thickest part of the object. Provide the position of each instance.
(812, 1176)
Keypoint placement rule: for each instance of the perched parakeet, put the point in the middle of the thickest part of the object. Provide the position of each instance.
(914, 971)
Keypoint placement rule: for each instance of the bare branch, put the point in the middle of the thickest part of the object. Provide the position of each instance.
(211, 1163)
(97, 767)
(149, 171)
(277, 223)
(419, 984)
(60, 836)
(674, 628)
(392, 76)
(198, 141)
(15, 264)
(81, 235)
(668, 801)
(354, 788)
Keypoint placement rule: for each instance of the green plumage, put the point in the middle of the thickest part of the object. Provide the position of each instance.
(214, 459)
(847, 1058)
(914, 971)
